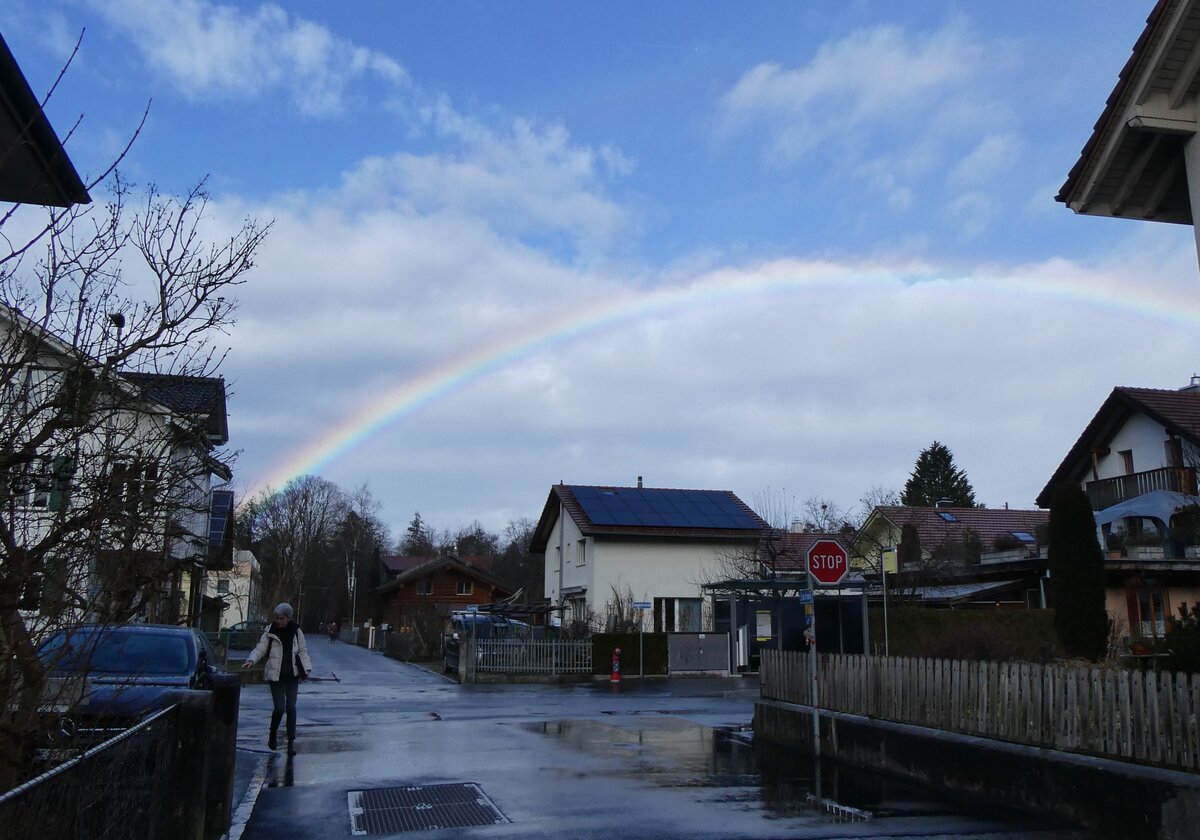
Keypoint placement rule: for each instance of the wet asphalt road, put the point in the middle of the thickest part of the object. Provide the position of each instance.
(654, 759)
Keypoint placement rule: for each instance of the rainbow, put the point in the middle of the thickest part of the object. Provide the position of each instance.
(1057, 280)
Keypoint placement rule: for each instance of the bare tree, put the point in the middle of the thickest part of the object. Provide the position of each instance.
(103, 486)
(621, 616)
(516, 566)
(293, 532)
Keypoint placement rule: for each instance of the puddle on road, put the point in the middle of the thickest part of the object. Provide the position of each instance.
(778, 781)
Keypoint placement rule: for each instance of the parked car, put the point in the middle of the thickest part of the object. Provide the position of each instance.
(244, 635)
(481, 626)
(106, 678)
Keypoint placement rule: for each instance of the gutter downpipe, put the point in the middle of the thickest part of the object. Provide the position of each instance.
(562, 512)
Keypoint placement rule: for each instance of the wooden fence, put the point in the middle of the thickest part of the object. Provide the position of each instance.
(1148, 717)
(526, 656)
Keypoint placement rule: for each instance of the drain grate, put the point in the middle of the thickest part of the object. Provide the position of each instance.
(421, 808)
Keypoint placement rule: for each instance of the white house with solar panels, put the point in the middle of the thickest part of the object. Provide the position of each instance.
(656, 546)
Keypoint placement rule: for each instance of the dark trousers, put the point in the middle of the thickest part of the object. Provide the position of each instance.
(283, 695)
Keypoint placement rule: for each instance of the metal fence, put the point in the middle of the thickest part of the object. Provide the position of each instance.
(527, 656)
(119, 790)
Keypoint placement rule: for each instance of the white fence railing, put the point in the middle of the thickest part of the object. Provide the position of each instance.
(522, 656)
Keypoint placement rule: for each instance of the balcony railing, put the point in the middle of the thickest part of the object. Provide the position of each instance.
(1110, 491)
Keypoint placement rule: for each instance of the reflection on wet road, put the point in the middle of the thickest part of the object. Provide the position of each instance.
(727, 765)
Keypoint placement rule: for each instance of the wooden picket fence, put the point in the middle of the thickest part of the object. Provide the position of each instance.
(1148, 717)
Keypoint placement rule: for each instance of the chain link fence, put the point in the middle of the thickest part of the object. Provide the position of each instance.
(119, 790)
(169, 776)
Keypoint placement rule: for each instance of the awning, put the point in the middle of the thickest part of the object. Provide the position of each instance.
(1157, 504)
(956, 593)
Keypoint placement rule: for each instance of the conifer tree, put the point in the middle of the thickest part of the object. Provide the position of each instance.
(1077, 571)
(936, 478)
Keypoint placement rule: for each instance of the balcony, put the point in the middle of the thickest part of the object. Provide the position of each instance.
(1110, 491)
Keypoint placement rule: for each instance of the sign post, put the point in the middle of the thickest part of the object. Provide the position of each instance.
(826, 563)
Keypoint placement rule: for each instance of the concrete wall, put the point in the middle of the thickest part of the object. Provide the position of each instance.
(1109, 798)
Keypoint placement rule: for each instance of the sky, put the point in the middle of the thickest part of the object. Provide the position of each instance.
(776, 248)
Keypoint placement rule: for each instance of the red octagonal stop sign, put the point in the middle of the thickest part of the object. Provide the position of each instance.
(828, 562)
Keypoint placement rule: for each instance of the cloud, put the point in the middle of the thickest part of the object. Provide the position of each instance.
(906, 114)
(828, 377)
(992, 158)
(868, 82)
(210, 50)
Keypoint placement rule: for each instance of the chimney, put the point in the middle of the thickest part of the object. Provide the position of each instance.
(1193, 386)
(639, 482)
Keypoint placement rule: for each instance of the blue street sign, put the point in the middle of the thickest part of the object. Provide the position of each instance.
(806, 596)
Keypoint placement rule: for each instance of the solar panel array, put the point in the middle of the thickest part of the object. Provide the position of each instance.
(662, 508)
(218, 516)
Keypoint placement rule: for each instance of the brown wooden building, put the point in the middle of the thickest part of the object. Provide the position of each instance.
(436, 587)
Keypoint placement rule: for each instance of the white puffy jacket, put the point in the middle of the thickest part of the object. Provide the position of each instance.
(271, 646)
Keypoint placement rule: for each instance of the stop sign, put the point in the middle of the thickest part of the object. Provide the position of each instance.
(828, 562)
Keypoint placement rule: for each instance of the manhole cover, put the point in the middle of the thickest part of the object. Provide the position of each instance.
(421, 808)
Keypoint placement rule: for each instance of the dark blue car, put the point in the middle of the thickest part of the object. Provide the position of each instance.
(109, 677)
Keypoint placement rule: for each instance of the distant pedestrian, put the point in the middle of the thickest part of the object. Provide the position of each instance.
(333, 631)
(287, 665)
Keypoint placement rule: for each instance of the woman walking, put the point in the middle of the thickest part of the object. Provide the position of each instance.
(287, 665)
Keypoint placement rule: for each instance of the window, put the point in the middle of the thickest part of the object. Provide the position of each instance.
(557, 558)
(1151, 618)
(1173, 450)
(222, 586)
(1127, 460)
(689, 615)
(581, 552)
(133, 485)
(425, 586)
(466, 587)
(31, 593)
(949, 517)
(45, 482)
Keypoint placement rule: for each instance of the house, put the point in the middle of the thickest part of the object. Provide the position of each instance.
(428, 592)
(641, 544)
(1137, 460)
(109, 489)
(203, 543)
(34, 167)
(238, 588)
(969, 557)
(393, 565)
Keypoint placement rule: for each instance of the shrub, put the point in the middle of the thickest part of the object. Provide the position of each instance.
(1077, 569)
(983, 635)
(1183, 640)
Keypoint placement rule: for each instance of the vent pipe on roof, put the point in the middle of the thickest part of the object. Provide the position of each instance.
(1194, 385)
(639, 482)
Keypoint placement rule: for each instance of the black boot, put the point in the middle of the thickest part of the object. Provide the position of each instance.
(291, 747)
(272, 742)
